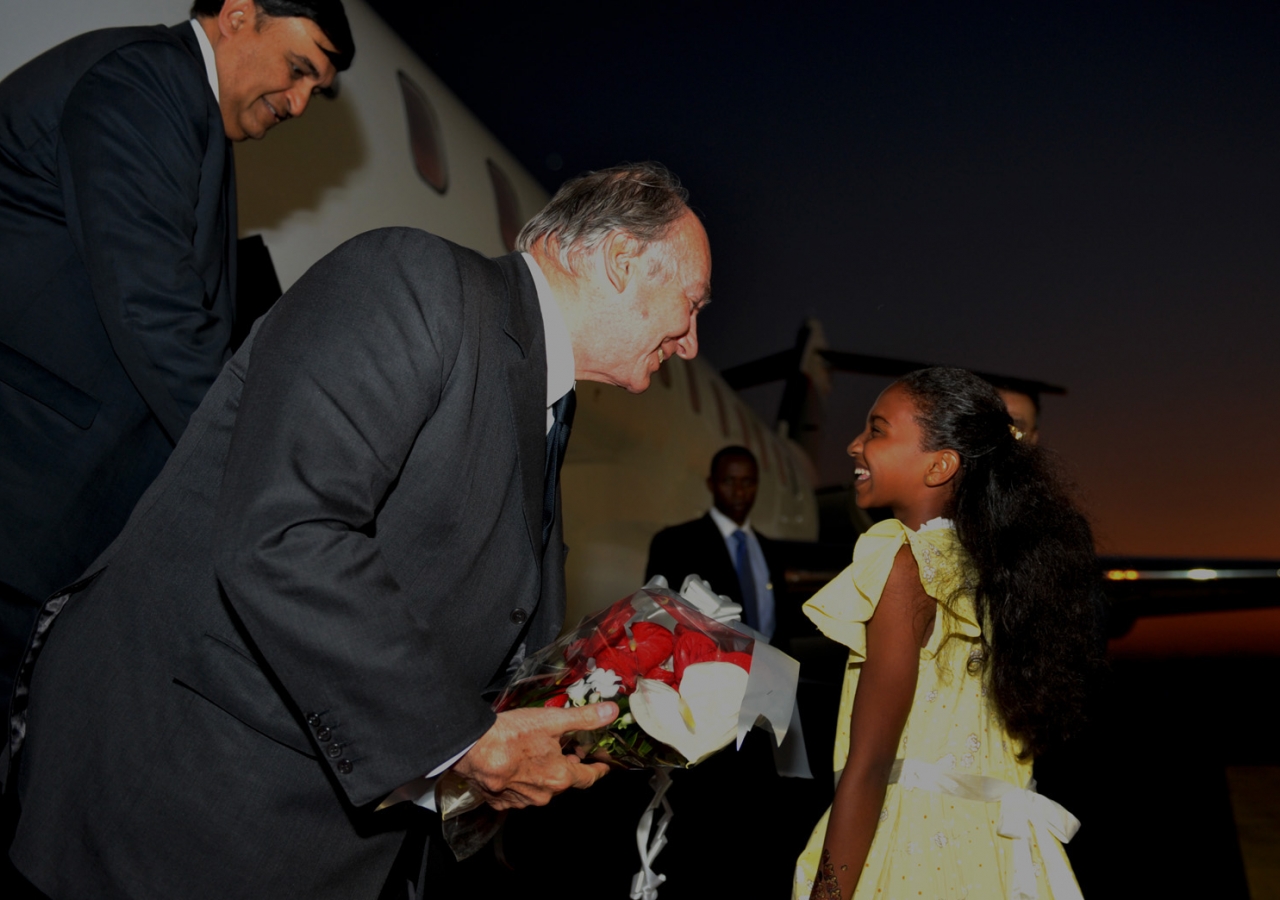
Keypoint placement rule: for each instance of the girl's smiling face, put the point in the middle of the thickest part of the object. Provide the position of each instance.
(892, 469)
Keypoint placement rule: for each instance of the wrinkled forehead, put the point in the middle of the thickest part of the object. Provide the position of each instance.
(691, 251)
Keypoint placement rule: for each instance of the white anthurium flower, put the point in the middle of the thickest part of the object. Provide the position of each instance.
(577, 692)
(604, 682)
(702, 717)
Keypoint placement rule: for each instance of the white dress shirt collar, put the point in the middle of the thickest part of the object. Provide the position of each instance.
(560, 363)
(726, 525)
(206, 50)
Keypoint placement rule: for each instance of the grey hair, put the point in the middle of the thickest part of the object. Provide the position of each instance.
(641, 199)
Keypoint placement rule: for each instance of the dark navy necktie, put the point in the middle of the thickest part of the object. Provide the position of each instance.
(557, 439)
(746, 579)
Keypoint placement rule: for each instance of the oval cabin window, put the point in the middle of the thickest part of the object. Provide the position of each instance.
(425, 140)
(504, 194)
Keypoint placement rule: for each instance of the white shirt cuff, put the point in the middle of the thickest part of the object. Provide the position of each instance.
(422, 791)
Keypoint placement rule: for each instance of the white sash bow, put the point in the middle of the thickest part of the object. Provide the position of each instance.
(1023, 813)
(645, 883)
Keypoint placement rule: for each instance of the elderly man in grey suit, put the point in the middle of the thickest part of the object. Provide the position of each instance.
(357, 533)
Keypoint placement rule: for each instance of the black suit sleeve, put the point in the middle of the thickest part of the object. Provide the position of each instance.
(662, 552)
(133, 136)
(344, 373)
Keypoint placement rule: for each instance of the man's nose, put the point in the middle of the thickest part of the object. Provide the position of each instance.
(298, 98)
(687, 346)
(854, 445)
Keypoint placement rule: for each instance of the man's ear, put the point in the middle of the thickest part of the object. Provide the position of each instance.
(621, 259)
(944, 467)
(235, 15)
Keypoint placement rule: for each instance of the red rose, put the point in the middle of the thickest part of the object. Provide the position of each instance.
(602, 631)
(557, 700)
(657, 673)
(738, 659)
(621, 662)
(692, 647)
(653, 644)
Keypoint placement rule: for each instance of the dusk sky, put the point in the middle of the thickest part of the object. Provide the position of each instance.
(1086, 194)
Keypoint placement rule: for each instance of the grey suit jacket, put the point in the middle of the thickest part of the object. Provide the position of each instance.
(304, 609)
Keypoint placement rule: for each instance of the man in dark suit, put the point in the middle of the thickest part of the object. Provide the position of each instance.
(356, 536)
(117, 262)
(734, 807)
(726, 551)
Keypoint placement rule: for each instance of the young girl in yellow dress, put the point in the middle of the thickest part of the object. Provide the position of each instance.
(972, 633)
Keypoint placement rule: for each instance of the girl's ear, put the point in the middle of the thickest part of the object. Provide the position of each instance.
(943, 467)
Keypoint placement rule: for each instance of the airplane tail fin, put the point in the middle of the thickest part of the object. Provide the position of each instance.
(807, 378)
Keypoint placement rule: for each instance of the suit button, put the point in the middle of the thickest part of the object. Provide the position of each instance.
(519, 616)
(334, 751)
(323, 733)
(313, 720)
(344, 766)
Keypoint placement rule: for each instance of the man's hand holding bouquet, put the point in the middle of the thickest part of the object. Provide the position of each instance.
(683, 684)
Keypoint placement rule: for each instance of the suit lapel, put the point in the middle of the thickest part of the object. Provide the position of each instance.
(527, 388)
(228, 220)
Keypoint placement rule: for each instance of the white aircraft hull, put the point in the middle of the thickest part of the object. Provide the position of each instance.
(636, 463)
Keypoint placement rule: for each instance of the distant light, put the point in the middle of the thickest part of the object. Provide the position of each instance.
(1200, 574)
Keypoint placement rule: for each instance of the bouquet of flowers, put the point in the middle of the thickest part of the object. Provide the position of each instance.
(686, 683)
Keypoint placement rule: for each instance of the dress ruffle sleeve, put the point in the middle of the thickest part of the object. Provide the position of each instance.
(843, 606)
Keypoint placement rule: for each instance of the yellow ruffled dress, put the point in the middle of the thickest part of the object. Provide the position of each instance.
(935, 840)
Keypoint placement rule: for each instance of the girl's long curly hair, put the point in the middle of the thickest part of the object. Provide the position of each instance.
(1038, 584)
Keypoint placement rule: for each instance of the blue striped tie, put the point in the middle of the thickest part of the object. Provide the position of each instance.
(746, 580)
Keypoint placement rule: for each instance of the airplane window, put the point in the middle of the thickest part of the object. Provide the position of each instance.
(425, 140)
(691, 376)
(509, 221)
(724, 420)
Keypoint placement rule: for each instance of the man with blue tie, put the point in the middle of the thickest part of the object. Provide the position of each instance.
(733, 807)
(724, 549)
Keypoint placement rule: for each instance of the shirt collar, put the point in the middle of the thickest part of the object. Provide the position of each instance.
(206, 50)
(726, 525)
(560, 364)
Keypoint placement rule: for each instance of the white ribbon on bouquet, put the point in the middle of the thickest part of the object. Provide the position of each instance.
(1024, 814)
(644, 886)
(768, 701)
